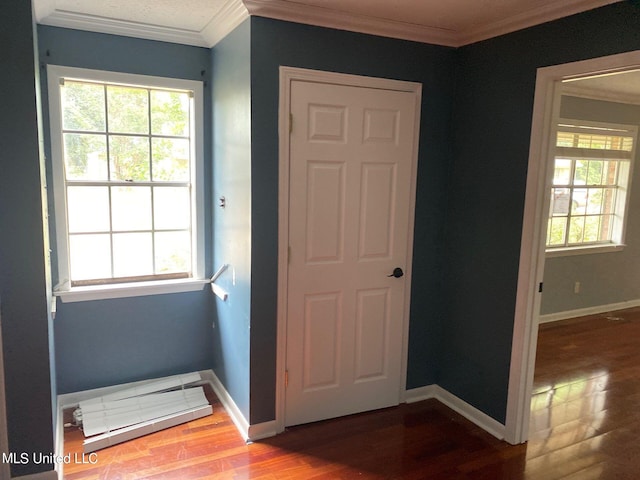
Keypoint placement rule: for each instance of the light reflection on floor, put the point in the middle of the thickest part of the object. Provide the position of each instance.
(567, 413)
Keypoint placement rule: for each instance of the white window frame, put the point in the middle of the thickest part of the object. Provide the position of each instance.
(55, 76)
(625, 181)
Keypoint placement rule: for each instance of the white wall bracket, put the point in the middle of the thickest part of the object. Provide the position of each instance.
(220, 292)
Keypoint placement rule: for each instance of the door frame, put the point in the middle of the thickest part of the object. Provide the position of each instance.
(532, 248)
(287, 76)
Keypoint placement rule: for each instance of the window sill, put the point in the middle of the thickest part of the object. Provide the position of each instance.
(591, 249)
(124, 290)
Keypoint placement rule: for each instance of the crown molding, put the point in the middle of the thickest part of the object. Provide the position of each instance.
(326, 17)
(43, 8)
(234, 12)
(529, 18)
(120, 27)
(230, 16)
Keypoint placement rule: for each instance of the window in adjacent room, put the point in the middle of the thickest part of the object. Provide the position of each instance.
(590, 187)
(126, 153)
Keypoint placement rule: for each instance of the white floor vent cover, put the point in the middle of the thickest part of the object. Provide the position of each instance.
(133, 412)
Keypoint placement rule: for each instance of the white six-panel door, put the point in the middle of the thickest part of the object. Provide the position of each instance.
(350, 207)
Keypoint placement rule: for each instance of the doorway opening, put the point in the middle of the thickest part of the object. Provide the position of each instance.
(550, 84)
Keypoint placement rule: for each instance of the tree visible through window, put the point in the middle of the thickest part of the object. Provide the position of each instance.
(590, 182)
(127, 160)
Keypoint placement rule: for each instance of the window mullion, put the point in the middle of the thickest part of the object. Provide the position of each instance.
(572, 176)
(124, 183)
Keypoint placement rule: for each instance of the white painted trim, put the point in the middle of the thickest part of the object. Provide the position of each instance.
(197, 176)
(583, 312)
(528, 18)
(55, 74)
(416, 89)
(79, 21)
(458, 405)
(125, 290)
(60, 217)
(232, 14)
(573, 251)
(532, 258)
(238, 419)
(42, 9)
(284, 107)
(291, 74)
(287, 76)
(341, 20)
(262, 430)
(419, 394)
(248, 432)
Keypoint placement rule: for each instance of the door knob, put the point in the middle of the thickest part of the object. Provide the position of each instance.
(397, 272)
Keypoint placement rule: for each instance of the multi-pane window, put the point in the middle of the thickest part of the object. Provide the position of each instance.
(590, 185)
(125, 160)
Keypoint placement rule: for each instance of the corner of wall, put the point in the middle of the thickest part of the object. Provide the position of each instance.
(458, 405)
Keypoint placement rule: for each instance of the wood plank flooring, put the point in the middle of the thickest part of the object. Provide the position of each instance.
(585, 424)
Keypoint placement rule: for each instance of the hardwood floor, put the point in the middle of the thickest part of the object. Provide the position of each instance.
(585, 424)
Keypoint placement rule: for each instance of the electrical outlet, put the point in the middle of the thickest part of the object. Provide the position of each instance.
(576, 287)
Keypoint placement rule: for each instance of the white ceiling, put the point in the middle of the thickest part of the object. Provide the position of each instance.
(205, 22)
(621, 87)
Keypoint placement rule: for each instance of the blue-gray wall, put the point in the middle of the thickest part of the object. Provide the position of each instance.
(605, 278)
(275, 43)
(231, 87)
(107, 342)
(492, 125)
(104, 342)
(24, 286)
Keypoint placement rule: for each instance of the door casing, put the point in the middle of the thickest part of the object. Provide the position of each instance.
(532, 248)
(288, 75)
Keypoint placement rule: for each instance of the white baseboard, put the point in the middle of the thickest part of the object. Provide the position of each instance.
(262, 430)
(269, 429)
(229, 405)
(458, 405)
(582, 312)
(250, 433)
(418, 394)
